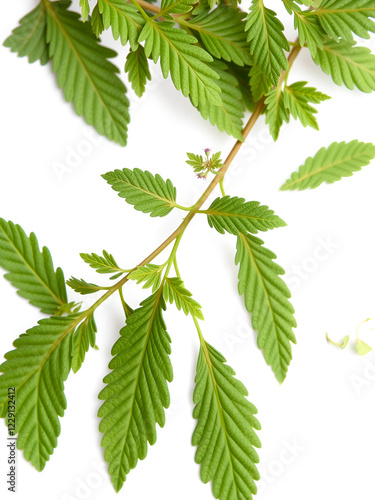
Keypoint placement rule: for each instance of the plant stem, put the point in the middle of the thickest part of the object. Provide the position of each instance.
(218, 178)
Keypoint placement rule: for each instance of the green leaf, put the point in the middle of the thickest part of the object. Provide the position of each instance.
(124, 20)
(331, 164)
(259, 83)
(348, 65)
(182, 59)
(97, 21)
(267, 41)
(309, 32)
(150, 275)
(85, 74)
(228, 116)
(241, 74)
(234, 215)
(38, 368)
(342, 345)
(297, 98)
(222, 32)
(82, 339)
(276, 111)
(148, 193)
(225, 431)
(266, 298)
(341, 18)
(174, 291)
(176, 7)
(136, 392)
(138, 71)
(30, 270)
(103, 265)
(29, 39)
(362, 347)
(85, 9)
(82, 287)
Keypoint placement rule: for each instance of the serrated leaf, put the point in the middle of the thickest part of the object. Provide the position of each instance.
(85, 74)
(82, 339)
(276, 111)
(30, 270)
(103, 265)
(124, 20)
(182, 59)
(97, 21)
(174, 291)
(341, 18)
(29, 39)
(38, 368)
(266, 299)
(331, 164)
(241, 74)
(85, 9)
(169, 7)
(259, 83)
(136, 392)
(225, 432)
(310, 32)
(222, 32)
(150, 275)
(297, 98)
(228, 117)
(138, 71)
(267, 40)
(146, 192)
(348, 65)
(82, 287)
(234, 215)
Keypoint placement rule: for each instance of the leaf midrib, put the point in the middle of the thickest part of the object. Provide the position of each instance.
(248, 247)
(33, 271)
(220, 410)
(52, 12)
(169, 202)
(322, 169)
(136, 384)
(35, 28)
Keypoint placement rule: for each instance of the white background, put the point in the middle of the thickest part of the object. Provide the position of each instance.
(325, 410)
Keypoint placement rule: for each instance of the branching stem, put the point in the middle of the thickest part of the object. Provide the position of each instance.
(217, 180)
